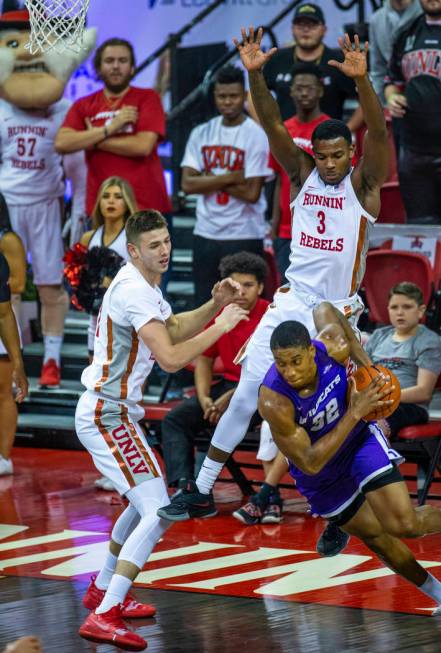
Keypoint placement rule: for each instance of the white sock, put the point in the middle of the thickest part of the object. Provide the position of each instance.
(208, 474)
(105, 576)
(116, 593)
(52, 348)
(432, 587)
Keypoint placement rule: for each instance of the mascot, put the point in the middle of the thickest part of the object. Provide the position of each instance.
(32, 174)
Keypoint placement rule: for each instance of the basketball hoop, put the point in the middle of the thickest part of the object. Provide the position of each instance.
(56, 25)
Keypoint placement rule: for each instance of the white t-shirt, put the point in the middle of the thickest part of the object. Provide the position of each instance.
(330, 238)
(121, 361)
(219, 149)
(31, 170)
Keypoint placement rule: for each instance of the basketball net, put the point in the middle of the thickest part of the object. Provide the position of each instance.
(56, 25)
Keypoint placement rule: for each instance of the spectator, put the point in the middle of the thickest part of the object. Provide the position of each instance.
(12, 249)
(306, 91)
(32, 174)
(11, 340)
(114, 204)
(119, 128)
(411, 351)
(183, 423)
(413, 93)
(308, 30)
(384, 25)
(226, 163)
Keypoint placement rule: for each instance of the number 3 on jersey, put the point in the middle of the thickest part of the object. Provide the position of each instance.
(321, 228)
(326, 416)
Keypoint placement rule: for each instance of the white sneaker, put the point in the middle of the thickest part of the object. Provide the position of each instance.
(6, 467)
(104, 483)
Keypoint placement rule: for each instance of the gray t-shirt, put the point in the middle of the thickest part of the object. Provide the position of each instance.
(406, 357)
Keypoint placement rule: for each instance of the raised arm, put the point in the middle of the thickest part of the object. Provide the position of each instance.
(282, 146)
(337, 335)
(372, 170)
(294, 441)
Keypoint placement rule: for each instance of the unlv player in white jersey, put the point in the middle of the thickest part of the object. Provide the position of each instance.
(331, 219)
(136, 327)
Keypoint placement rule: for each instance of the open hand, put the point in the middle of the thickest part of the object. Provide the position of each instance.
(226, 291)
(355, 62)
(251, 54)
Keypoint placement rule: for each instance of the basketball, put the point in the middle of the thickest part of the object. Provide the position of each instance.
(363, 377)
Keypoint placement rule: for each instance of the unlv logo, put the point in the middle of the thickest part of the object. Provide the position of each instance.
(223, 156)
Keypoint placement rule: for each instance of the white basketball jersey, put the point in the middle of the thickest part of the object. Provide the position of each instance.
(31, 170)
(121, 361)
(119, 244)
(330, 238)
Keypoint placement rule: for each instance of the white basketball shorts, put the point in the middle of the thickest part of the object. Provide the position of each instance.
(39, 227)
(115, 441)
(288, 304)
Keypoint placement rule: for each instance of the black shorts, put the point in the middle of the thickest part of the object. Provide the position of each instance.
(387, 478)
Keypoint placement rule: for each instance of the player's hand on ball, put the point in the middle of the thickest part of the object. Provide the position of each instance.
(371, 398)
(231, 316)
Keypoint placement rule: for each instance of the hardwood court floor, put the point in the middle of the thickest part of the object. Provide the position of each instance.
(218, 586)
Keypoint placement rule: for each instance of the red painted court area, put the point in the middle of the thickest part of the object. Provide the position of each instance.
(55, 525)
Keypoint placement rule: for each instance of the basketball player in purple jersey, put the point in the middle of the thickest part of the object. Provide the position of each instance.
(341, 463)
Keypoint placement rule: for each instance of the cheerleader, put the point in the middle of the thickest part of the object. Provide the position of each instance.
(115, 202)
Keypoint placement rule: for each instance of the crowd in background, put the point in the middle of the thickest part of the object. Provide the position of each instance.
(227, 165)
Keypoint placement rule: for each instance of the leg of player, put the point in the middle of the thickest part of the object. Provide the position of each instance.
(380, 532)
(54, 306)
(142, 529)
(8, 415)
(197, 500)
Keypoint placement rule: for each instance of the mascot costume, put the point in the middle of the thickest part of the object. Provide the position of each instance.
(32, 174)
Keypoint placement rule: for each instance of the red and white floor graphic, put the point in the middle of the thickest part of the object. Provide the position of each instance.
(53, 524)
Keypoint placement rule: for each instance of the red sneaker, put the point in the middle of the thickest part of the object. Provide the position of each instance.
(130, 608)
(110, 628)
(50, 374)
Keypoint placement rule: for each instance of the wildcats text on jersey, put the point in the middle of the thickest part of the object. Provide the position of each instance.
(328, 244)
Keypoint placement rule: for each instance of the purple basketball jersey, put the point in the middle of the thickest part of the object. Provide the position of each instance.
(319, 413)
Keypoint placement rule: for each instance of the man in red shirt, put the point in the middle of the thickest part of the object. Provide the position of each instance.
(119, 128)
(306, 91)
(196, 413)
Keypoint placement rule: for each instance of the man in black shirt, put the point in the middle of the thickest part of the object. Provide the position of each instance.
(10, 338)
(309, 29)
(413, 93)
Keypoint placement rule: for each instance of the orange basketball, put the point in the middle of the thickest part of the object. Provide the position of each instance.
(364, 375)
